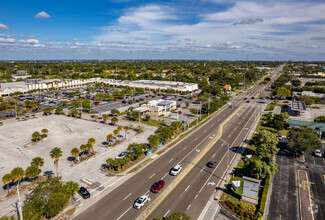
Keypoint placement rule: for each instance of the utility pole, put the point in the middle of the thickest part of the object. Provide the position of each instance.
(19, 206)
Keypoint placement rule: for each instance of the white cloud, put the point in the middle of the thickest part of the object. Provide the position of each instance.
(42, 15)
(7, 40)
(4, 27)
(30, 41)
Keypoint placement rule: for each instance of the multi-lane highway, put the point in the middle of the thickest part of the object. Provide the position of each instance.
(190, 191)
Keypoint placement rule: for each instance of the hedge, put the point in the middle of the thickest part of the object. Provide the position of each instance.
(264, 195)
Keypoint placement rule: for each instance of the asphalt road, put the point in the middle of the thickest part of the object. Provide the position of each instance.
(118, 203)
(195, 189)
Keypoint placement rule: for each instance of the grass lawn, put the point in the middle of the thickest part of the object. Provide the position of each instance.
(153, 123)
(231, 194)
(270, 107)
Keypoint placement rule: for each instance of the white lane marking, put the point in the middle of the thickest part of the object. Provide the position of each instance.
(124, 213)
(188, 207)
(213, 155)
(170, 160)
(127, 196)
(229, 136)
(196, 196)
(205, 131)
(226, 154)
(211, 126)
(195, 139)
(235, 128)
(184, 148)
(164, 176)
(151, 176)
(187, 188)
(166, 213)
(201, 170)
(222, 144)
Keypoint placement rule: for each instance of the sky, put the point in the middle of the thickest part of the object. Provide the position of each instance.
(169, 29)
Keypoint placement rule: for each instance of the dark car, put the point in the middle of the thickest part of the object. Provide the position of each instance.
(253, 97)
(84, 192)
(248, 101)
(212, 163)
(245, 98)
(124, 102)
(157, 186)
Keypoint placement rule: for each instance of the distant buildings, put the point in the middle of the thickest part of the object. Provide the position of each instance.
(33, 84)
(157, 107)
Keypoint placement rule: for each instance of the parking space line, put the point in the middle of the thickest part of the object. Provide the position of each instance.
(166, 213)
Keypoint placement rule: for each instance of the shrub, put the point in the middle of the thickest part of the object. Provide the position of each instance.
(248, 207)
(246, 214)
(264, 195)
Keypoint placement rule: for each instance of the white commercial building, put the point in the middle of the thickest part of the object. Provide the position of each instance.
(157, 107)
(34, 84)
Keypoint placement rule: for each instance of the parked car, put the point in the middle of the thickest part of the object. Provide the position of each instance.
(280, 137)
(212, 163)
(121, 155)
(157, 186)
(318, 153)
(141, 201)
(84, 192)
(175, 170)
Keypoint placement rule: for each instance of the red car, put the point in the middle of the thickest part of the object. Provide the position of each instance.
(157, 186)
(114, 100)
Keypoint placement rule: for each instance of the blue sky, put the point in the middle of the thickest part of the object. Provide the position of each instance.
(171, 29)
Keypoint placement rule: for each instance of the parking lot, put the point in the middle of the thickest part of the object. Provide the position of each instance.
(284, 201)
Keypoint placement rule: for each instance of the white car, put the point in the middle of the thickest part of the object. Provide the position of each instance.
(175, 170)
(121, 155)
(318, 153)
(141, 201)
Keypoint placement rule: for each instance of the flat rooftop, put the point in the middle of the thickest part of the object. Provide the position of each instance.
(298, 106)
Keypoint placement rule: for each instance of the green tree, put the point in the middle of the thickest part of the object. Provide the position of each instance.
(59, 111)
(147, 118)
(137, 149)
(154, 141)
(194, 111)
(187, 104)
(75, 152)
(6, 179)
(36, 136)
(44, 132)
(32, 172)
(303, 139)
(109, 138)
(278, 121)
(176, 125)
(105, 117)
(320, 119)
(115, 132)
(38, 162)
(17, 173)
(259, 168)
(55, 154)
(114, 120)
(115, 112)
(283, 92)
(47, 110)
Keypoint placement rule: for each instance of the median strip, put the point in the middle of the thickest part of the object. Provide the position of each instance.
(178, 179)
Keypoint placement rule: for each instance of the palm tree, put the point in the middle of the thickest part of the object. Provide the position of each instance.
(75, 152)
(6, 179)
(17, 173)
(44, 132)
(37, 161)
(90, 147)
(114, 120)
(119, 128)
(32, 172)
(91, 141)
(109, 137)
(82, 147)
(115, 132)
(36, 135)
(126, 128)
(55, 154)
(105, 117)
